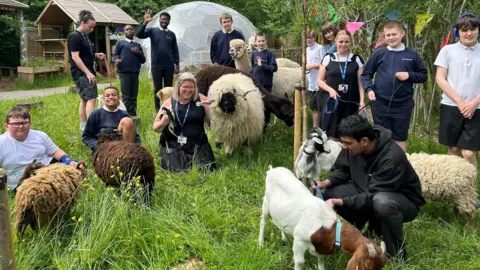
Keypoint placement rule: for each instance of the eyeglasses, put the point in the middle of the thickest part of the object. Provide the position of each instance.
(18, 124)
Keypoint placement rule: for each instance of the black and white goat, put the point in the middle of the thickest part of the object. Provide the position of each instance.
(316, 154)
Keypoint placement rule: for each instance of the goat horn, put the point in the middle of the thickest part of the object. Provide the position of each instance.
(383, 246)
(371, 250)
(204, 102)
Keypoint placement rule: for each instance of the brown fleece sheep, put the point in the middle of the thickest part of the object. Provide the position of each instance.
(118, 162)
(282, 108)
(47, 194)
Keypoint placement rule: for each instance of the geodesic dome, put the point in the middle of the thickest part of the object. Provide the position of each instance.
(194, 24)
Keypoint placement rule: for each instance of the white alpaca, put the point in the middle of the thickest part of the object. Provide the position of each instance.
(313, 224)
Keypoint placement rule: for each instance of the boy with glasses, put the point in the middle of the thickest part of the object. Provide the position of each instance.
(21, 145)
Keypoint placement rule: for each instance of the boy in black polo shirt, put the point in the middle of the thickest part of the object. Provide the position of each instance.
(165, 58)
(129, 57)
(220, 45)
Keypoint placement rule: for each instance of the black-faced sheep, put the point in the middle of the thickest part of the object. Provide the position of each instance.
(119, 162)
(45, 194)
(236, 111)
(283, 108)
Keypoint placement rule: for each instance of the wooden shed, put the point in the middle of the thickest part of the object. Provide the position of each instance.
(62, 13)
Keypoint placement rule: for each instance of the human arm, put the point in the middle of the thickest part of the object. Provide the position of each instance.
(116, 53)
(213, 49)
(420, 72)
(139, 53)
(322, 76)
(89, 135)
(162, 120)
(206, 106)
(271, 63)
(321, 52)
(341, 173)
(79, 63)
(176, 56)
(360, 64)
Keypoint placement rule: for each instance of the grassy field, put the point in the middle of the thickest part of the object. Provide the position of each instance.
(214, 217)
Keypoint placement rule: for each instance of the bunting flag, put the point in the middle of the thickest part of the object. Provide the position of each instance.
(332, 15)
(393, 15)
(381, 40)
(352, 27)
(314, 12)
(446, 39)
(422, 20)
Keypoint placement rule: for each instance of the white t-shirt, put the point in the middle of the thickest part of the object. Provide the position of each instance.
(327, 60)
(315, 55)
(463, 65)
(15, 155)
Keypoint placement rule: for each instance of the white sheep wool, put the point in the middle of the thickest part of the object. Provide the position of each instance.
(246, 122)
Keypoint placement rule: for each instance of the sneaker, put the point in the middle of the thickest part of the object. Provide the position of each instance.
(83, 125)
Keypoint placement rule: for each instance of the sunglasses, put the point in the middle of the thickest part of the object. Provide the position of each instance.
(18, 124)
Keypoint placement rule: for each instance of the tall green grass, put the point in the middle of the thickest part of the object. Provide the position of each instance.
(213, 216)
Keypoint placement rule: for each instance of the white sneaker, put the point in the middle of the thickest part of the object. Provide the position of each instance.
(83, 125)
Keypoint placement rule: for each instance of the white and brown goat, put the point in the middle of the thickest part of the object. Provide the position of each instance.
(313, 224)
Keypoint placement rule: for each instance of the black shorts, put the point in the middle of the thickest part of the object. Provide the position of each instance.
(455, 130)
(317, 99)
(396, 119)
(86, 90)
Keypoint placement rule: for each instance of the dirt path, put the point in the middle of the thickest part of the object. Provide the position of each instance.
(26, 94)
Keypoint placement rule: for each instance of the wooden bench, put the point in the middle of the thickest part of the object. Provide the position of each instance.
(28, 73)
(11, 71)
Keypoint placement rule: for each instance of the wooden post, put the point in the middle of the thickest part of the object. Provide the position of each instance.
(7, 256)
(40, 34)
(304, 86)
(107, 43)
(97, 48)
(297, 122)
(66, 64)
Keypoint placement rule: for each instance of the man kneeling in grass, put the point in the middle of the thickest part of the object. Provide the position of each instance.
(20, 145)
(109, 117)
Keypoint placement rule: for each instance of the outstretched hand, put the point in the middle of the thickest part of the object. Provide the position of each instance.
(147, 17)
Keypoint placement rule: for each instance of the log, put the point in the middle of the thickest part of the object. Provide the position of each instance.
(27, 105)
(7, 256)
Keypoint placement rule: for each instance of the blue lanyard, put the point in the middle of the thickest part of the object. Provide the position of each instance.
(88, 41)
(184, 118)
(343, 71)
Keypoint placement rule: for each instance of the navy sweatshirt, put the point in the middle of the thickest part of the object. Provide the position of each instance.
(264, 74)
(102, 119)
(220, 47)
(163, 44)
(383, 64)
(130, 61)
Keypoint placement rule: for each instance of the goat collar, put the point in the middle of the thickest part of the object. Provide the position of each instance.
(338, 233)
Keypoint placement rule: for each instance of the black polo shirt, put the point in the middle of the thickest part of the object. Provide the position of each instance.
(78, 42)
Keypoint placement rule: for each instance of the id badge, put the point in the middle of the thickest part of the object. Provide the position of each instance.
(182, 139)
(343, 88)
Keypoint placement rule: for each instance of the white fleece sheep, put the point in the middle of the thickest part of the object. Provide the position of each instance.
(285, 62)
(313, 224)
(449, 178)
(245, 124)
(284, 79)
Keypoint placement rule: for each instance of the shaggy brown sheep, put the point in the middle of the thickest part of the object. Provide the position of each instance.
(47, 194)
(118, 162)
(282, 108)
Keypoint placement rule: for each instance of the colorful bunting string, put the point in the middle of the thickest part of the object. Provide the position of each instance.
(332, 15)
(422, 20)
(352, 27)
(446, 39)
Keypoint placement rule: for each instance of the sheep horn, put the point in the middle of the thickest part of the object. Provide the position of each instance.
(249, 91)
(371, 250)
(207, 102)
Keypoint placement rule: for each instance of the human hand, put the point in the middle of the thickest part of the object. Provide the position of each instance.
(117, 62)
(176, 69)
(333, 94)
(322, 184)
(100, 56)
(135, 50)
(402, 76)
(259, 61)
(308, 66)
(361, 105)
(334, 202)
(91, 78)
(147, 17)
(469, 109)
(371, 96)
(461, 105)
(330, 203)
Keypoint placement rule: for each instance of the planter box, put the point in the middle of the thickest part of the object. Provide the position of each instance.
(28, 73)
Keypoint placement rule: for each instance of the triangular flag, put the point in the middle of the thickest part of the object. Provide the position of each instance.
(422, 20)
(352, 27)
(381, 40)
(393, 15)
(446, 39)
(332, 15)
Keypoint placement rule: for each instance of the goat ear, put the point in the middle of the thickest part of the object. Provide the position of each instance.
(355, 262)
(371, 250)
(384, 247)
(317, 140)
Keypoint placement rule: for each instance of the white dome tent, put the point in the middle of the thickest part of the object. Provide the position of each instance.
(194, 24)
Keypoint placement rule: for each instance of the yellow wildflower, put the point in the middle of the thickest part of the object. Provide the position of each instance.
(157, 236)
(112, 176)
(115, 204)
(121, 174)
(176, 235)
(111, 166)
(118, 167)
(80, 219)
(74, 218)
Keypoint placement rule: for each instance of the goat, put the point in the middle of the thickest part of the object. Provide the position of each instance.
(313, 224)
(317, 153)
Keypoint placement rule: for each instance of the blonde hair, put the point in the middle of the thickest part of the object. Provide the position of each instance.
(343, 32)
(225, 15)
(184, 77)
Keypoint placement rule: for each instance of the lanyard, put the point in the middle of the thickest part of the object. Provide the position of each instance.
(343, 71)
(184, 118)
(89, 43)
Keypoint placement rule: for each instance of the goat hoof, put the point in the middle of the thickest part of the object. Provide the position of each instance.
(218, 145)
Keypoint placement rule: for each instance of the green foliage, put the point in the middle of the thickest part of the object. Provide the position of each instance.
(39, 62)
(10, 45)
(214, 217)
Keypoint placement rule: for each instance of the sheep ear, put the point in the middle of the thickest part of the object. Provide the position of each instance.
(270, 167)
(371, 250)
(317, 140)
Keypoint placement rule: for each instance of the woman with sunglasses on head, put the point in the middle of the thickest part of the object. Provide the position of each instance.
(340, 76)
(21, 145)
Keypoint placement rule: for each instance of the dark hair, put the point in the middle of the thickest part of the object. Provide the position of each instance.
(394, 24)
(165, 14)
(259, 34)
(17, 112)
(111, 87)
(357, 127)
(85, 16)
(467, 21)
(327, 28)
